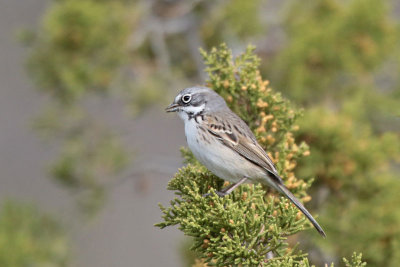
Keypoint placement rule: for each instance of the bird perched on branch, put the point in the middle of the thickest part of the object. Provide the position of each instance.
(223, 143)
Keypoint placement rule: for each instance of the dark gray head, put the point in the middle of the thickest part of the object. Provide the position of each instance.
(196, 99)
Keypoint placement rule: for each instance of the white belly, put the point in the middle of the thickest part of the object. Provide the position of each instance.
(218, 158)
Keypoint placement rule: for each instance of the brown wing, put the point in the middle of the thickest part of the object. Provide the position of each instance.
(236, 135)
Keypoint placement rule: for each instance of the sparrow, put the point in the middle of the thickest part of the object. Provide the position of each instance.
(222, 141)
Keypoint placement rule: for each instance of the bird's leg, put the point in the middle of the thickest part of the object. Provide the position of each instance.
(227, 190)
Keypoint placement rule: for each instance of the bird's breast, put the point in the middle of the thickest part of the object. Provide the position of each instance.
(218, 158)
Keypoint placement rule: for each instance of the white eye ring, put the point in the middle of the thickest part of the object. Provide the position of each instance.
(186, 98)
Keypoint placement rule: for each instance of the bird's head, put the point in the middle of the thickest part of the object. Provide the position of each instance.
(196, 100)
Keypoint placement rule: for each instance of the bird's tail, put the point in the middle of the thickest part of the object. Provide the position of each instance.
(282, 188)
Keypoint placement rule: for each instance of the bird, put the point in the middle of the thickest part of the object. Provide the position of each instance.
(222, 142)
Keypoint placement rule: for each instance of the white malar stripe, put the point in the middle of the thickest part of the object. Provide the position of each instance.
(194, 110)
(190, 109)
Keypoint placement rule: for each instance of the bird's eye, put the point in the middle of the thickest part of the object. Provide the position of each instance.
(186, 98)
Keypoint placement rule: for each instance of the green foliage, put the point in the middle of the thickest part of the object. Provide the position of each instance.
(232, 19)
(341, 60)
(29, 238)
(246, 225)
(334, 48)
(240, 228)
(344, 152)
(81, 46)
(355, 261)
(353, 165)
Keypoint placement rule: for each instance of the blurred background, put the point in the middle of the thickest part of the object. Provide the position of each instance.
(87, 150)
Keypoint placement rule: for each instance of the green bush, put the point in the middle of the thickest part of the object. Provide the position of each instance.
(81, 47)
(246, 226)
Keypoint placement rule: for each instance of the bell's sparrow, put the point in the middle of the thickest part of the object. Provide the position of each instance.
(223, 142)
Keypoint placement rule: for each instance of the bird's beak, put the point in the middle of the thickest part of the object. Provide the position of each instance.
(172, 108)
